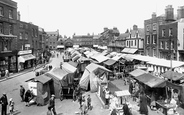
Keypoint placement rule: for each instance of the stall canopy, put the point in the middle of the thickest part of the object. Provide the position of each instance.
(173, 75)
(166, 63)
(117, 57)
(90, 76)
(100, 58)
(75, 58)
(151, 80)
(60, 78)
(125, 50)
(43, 89)
(25, 58)
(137, 72)
(109, 62)
(69, 68)
(43, 79)
(60, 46)
(74, 64)
(132, 51)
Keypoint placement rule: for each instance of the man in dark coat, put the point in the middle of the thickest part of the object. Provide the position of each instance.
(22, 91)
(131, 87)
(52, 104)
(4, 102)
(143, 104)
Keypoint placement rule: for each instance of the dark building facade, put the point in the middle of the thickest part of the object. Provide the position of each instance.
(83, 40)
(171, 35)
(8, 32)
(151, 40)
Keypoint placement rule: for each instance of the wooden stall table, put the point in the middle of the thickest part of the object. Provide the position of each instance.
(122, 94)
(164, 106)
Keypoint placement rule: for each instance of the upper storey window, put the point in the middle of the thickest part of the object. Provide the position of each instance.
(11, 14)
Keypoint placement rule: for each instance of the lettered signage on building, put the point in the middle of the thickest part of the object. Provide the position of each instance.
(24, 52)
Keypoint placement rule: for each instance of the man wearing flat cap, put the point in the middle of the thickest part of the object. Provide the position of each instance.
(52, 104)
(4, 103)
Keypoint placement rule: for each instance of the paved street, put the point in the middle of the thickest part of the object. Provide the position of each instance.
(65, 107)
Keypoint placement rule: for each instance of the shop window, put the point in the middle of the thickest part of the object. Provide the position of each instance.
(154, 52)
(163, 33)
(11, 14)
(154, 39)
(166, 45)
(135, 42)
(1, 28)
(161, 45)
(20, 35)
(172, 45)
(147, 28)
(1, 11)
(26, 36)
(154, 26)
(148, 39)
(170, 32)
(11, 29)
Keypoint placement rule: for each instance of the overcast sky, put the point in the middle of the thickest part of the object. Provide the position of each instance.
(90, 16)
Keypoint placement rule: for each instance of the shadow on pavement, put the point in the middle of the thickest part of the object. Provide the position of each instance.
(60, 114)
(16, 112)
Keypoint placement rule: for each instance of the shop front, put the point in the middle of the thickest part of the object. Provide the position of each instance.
(8, 61)
(25, 59)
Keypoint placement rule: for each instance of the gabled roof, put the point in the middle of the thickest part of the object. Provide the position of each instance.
(140, 32)
(123, 36)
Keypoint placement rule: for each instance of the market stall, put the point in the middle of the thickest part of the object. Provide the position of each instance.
(91, 76)
(41, 88)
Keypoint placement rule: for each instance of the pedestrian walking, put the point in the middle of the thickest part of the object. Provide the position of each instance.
(89, 102)
(27, 97)
(107, 96)
(22, 91)
(4, 103)
(52, 104)
(83, 108)
(6, 73)
(80, 100)
(49, 112)
(143, 104)
(11, 106)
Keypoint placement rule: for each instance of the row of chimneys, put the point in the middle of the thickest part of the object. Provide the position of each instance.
(169, 13)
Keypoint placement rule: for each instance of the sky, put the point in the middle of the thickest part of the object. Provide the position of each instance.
(91, 16)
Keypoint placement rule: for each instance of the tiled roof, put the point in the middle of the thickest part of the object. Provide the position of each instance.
(54, 32)
(123, 36)
(140, 32)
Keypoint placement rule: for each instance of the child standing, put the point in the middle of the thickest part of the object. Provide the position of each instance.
(89, 102)
(11, 106)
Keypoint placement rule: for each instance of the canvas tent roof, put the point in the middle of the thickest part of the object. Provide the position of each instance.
(137, 72)
(91, 67)
(42, 78)
(73, 63)
(57, 73)
(173, 75)
(100, 58)
(117, 57)
(166, 63)
(151, 80)
(110, 62)
(69, 68)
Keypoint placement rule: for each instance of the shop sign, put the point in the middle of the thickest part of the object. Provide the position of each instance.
(24, 52)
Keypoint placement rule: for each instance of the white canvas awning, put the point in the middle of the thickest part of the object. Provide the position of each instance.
(69, 68)
(24, 58)
(60, 46)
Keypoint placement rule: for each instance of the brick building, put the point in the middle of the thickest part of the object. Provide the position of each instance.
(135, 41)
(83, 40)
(171, 35)
(151, 30)
(52, 39)
(8, 32)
